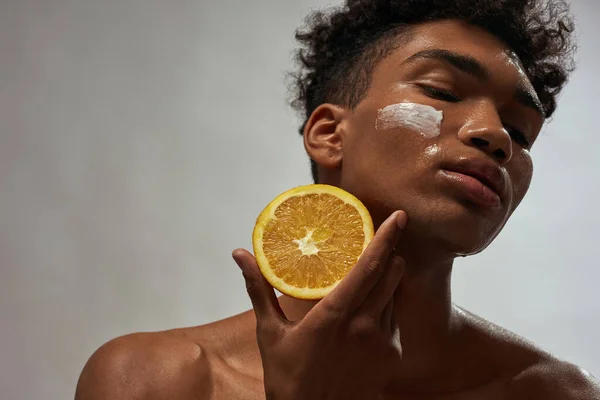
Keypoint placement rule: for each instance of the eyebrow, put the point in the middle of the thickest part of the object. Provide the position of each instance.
(474, 68)
(526, 98)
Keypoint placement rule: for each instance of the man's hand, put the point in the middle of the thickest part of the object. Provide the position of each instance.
(344, 347)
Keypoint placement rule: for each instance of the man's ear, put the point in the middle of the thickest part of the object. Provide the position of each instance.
(323, 135)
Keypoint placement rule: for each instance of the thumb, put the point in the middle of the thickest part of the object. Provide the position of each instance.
(261, 293)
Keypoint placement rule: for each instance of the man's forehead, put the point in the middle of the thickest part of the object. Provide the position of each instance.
(458, 37)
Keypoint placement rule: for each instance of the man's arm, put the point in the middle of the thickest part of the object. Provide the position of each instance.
(146, 366)
(555, 380)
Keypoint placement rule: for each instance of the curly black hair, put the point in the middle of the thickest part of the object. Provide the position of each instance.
(339, 47)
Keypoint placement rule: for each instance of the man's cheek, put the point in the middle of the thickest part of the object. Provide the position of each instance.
(521, 176)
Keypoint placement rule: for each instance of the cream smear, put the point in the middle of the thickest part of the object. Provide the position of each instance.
(418, 117)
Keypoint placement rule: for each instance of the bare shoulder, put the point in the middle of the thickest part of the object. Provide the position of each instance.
(155, 365)
(531, 372)
(555, 380)
(175, 364)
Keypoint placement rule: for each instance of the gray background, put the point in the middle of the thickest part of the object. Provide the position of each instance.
(141, 138)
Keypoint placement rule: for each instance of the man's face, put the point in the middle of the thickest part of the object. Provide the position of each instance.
(489, 124)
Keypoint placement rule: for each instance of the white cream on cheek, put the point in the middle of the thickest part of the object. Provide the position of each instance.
(420, 118)
(432, 151)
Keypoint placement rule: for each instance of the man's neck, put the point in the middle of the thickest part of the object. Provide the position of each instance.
(423, 310)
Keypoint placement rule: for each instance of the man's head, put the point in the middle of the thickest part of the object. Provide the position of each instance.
(375, 72)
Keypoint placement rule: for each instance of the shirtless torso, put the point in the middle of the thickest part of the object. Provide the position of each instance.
(221, 361)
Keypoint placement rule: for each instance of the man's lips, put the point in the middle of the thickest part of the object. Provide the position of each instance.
(482, 180)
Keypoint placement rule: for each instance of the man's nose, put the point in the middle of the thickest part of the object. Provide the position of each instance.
(485, 131)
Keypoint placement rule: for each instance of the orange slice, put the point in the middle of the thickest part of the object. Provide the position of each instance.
(308, 238)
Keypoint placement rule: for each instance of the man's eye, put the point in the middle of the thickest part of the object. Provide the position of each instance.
(440, 94)
(518, 136)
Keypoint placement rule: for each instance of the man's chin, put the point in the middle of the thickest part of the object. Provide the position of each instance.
(458, 233)
(445, 225)
(464, 251)
(468, 242)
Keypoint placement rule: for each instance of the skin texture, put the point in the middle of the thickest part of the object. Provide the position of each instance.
(401, 288)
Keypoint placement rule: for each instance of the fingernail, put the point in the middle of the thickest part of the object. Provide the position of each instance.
(401, 219)
(236, 258)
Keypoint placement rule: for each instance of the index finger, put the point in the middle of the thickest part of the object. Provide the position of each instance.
(263, 298)
(355, 287)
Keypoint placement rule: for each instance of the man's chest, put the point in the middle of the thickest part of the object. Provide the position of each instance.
(229, 384)
(495, 390)
(244, 388)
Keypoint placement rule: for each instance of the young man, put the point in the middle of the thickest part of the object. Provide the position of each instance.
(424, 106)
